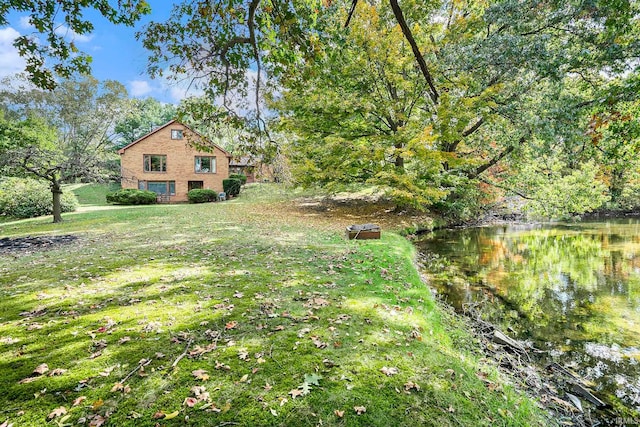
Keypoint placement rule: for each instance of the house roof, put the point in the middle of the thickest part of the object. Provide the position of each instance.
(123, 149)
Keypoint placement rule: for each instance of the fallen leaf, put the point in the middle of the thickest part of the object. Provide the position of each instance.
(97, 404)
(295, 393)
(360, 409)
(238, 294)
(312, 379)
(117, 387)
(244, 378)
(222, 366)
(389, 371)
(339, 413)
(124, 340)
(79, 400)
(318, 342)
(57, 371)
(57, 412)
(409, 385)
(107, 371)
(97, 421)
(41, 369)
(190, 402)
(267, 387)
(200, 374)
(231, 325)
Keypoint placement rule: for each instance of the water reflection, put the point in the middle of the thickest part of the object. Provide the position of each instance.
(571, 289)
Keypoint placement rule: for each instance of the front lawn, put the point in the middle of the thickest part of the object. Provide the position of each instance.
(248, 312)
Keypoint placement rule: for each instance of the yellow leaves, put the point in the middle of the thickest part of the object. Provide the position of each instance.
(162, 415)
(97, 404)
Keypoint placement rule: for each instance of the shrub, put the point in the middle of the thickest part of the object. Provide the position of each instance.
(231, 186)
(131, 196)
(202, 196)
(242, 177)
(27, 198)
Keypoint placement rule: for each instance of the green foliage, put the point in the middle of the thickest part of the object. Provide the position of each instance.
(132, 196)
(559, 192)
(240, 176)
(27, 198)
(46, 41)
(378, 102)
(79, 114)
(202, 195)
(142, 117)
(231, 186)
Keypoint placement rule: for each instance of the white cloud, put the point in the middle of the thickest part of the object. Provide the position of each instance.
(10, 61)
(25, 23)
(66, 32)
(140, 88)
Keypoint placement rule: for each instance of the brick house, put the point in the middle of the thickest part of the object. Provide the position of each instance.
(165, 162)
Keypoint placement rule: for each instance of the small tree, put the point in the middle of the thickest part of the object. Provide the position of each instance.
(29, 147)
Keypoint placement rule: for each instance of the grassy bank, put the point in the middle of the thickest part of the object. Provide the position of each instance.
(248, 312)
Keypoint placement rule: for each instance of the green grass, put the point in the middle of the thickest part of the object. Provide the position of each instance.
(261, 298)
(92, 194)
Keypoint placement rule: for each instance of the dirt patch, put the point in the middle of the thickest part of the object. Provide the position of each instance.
(344, 211)
(34, 243)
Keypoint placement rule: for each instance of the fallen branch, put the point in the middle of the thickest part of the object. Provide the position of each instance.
(141, 364)
(184, 353)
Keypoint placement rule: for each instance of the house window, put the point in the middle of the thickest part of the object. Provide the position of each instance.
(195, 185)
(176, 134)
(205, 164)
(158, 187)
(155, 163)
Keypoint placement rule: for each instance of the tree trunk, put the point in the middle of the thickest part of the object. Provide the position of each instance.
(57, 205)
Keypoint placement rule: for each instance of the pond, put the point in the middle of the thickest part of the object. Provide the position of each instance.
(570, 289)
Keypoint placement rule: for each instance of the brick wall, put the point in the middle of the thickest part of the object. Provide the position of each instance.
(180, 162)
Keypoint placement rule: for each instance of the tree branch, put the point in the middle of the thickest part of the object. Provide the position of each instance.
(433, 93)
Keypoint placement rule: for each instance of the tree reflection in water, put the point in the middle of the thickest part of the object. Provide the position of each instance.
(572, 289)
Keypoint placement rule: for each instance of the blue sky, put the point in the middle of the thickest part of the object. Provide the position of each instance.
(117, 55)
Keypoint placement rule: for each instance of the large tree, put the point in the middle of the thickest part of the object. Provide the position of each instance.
(498, 76)
(54, 23)
(143, 116)
(61, 135)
